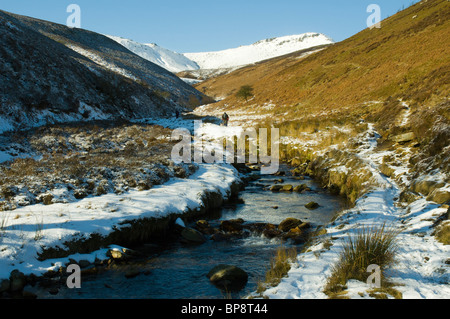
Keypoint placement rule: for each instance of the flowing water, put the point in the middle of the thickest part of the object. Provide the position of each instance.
(175, 270)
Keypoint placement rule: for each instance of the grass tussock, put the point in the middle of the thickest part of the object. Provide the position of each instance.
(370, 246)
(279, 267)
(443, 234)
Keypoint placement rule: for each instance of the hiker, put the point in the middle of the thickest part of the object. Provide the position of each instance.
(177, 114)
(225, 119)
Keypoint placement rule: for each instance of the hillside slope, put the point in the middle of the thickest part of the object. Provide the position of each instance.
(396, 78)
(51, 73)
(407, 58)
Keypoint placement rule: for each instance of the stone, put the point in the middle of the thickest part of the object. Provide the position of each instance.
(404, 138)
(234, 225)
(439, 196)
(192, 236)
(47, 199)
(287, 188)
(300, 188)
(289, 223)
(271, 232)
(408, 197)
(276, 188)
(131, 273)
(4, 285)
(17, 281)
(425, 187)
(228, 277)
(312, 205)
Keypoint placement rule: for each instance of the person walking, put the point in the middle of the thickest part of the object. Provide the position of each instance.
(225, 119)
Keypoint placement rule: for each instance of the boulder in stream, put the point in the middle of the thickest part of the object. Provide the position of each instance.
(191, 235)
(312, 205)
(227, 277)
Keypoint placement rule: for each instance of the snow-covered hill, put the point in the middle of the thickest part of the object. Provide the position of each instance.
(259, 51)
(170, 60)
(226, 59)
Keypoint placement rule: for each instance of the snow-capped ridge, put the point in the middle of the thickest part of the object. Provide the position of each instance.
(258, 51)
(165, 58)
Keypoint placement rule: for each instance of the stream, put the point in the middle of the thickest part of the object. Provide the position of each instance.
(176, 270)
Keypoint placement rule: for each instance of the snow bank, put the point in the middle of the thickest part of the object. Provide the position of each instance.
(24, 231)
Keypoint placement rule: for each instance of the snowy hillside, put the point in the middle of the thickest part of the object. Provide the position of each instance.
(259, 51)
(50, 74)
(170, 60)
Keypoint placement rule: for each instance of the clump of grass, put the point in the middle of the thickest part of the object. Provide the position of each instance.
(443, 234)
(370, 246)
(280, 265)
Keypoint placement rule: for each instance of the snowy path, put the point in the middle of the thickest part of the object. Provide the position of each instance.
(420, 270)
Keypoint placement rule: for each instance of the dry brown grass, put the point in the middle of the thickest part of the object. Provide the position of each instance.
(279, 267)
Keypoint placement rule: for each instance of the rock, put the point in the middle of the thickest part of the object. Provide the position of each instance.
(204, 227)
(17, 281)
(47, 199)
(404, 138)
(234, 225)
(228, 277)
(425, 187)
(80, 193)
(275, 207)
(287, 188)
(300, 188)
(295, 234)
(220, 237)
(4, 285)
(276, 188)
(312, 205)
(122, 254)
(408, 197)
(131, 273)
(386, 170)
(271, 232)
(439, 196)
(192, 236)
(289, 223)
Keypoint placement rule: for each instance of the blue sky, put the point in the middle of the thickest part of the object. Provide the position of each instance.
(210, 25)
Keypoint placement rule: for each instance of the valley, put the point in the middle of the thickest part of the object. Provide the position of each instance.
(87, 170)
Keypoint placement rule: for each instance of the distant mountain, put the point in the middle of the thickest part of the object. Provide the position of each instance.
(206, 64)
(50, 73)
(170, 60)
(259, 51)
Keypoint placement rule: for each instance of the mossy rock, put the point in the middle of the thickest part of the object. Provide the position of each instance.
(287, 188)
(439, 196)
(312, 205)
(191, 235)
(228, 277)
(276, 188)
(289, 223)
(300, 188)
